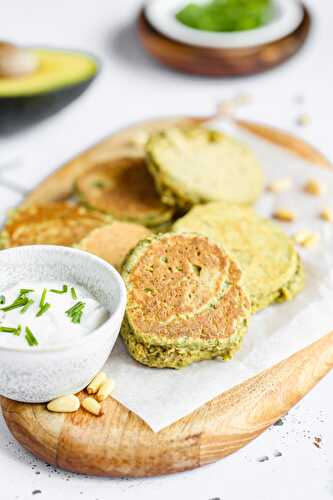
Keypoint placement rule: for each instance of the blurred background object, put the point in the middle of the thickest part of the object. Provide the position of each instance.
(37, 82)
(223, 37)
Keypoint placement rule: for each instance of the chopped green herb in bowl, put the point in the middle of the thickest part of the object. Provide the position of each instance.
(226, 15)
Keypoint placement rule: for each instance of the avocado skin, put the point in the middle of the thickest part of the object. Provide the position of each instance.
(16, 113)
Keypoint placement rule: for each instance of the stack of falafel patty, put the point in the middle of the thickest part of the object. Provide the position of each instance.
(191, 290)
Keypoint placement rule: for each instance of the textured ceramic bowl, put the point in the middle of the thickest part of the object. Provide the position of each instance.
(40, 374)
(288, 14)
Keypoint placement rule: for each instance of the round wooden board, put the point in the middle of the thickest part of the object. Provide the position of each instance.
(119, 443)
(221, 62)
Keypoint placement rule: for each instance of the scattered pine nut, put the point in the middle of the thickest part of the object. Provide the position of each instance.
(284, 215)
(306, 239)
(312, 240)
(301, 236)
(105, 390)
(303, 120)
(96, 383)
(92, 406)
(327, 214)
(64, 404)
(314, 187)
(280, 185)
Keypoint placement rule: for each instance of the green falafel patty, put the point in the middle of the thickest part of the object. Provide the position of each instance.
(197, 165)
(272, 269)
(185, 301)
(124, 189)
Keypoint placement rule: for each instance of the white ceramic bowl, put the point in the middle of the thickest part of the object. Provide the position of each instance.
(288, 15)
(40, 374)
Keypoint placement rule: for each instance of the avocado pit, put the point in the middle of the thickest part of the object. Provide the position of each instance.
(16, 61)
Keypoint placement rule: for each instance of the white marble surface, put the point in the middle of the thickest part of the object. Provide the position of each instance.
(132, 87)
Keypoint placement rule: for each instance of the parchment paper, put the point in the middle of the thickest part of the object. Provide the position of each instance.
(162, 396)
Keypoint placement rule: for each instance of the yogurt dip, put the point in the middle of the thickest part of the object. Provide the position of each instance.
(47, 313)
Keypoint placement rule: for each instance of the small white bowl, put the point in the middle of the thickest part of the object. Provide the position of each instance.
(288, 15)
(39, 374)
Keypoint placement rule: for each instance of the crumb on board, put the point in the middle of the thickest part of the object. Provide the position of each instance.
(306, 239)
(264, 458)
(317, 442)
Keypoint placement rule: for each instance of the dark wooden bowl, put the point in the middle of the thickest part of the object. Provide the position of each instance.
(221, 62)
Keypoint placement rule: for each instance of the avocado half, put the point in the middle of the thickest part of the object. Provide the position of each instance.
(60, 77)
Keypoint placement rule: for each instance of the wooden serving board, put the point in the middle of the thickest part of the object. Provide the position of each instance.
(221, 62)
(119, 443)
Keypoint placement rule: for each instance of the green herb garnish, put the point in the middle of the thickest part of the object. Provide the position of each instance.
(98, 184)
(73, 293)
(27, 305)
(18, 331)
(24, 291)
(226, 15)
(9, 329)
(2, 300)
(42, 299)
(45, 307)
(19, 302)
(29, 337)
(75, 312)
(64, 290)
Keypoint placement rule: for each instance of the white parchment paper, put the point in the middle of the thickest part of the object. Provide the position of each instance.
(163, 396)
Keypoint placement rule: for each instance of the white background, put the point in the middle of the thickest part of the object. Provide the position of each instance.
(132, 87)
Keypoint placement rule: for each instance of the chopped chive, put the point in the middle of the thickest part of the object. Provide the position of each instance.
(64, 290)
(2, 300)
(42, 299)
(26, 307)
(73, 293)
(9, 329)
(19, 302)
(75, 312)
(24, 291)
(18, 331)
(29, 337)
(45, 307)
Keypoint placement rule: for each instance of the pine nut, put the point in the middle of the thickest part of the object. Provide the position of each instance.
(326, 214)
(311, 241)
(284, 215)
(315, 188)
(92, 406)
(96, 383)
(105, 390)
(64, 404)
(280, 185)
(306, 239)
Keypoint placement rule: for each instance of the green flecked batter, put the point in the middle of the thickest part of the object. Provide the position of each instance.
(272, 269)
(181, 354)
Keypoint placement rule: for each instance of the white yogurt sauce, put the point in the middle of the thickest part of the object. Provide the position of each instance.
(54, 326)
